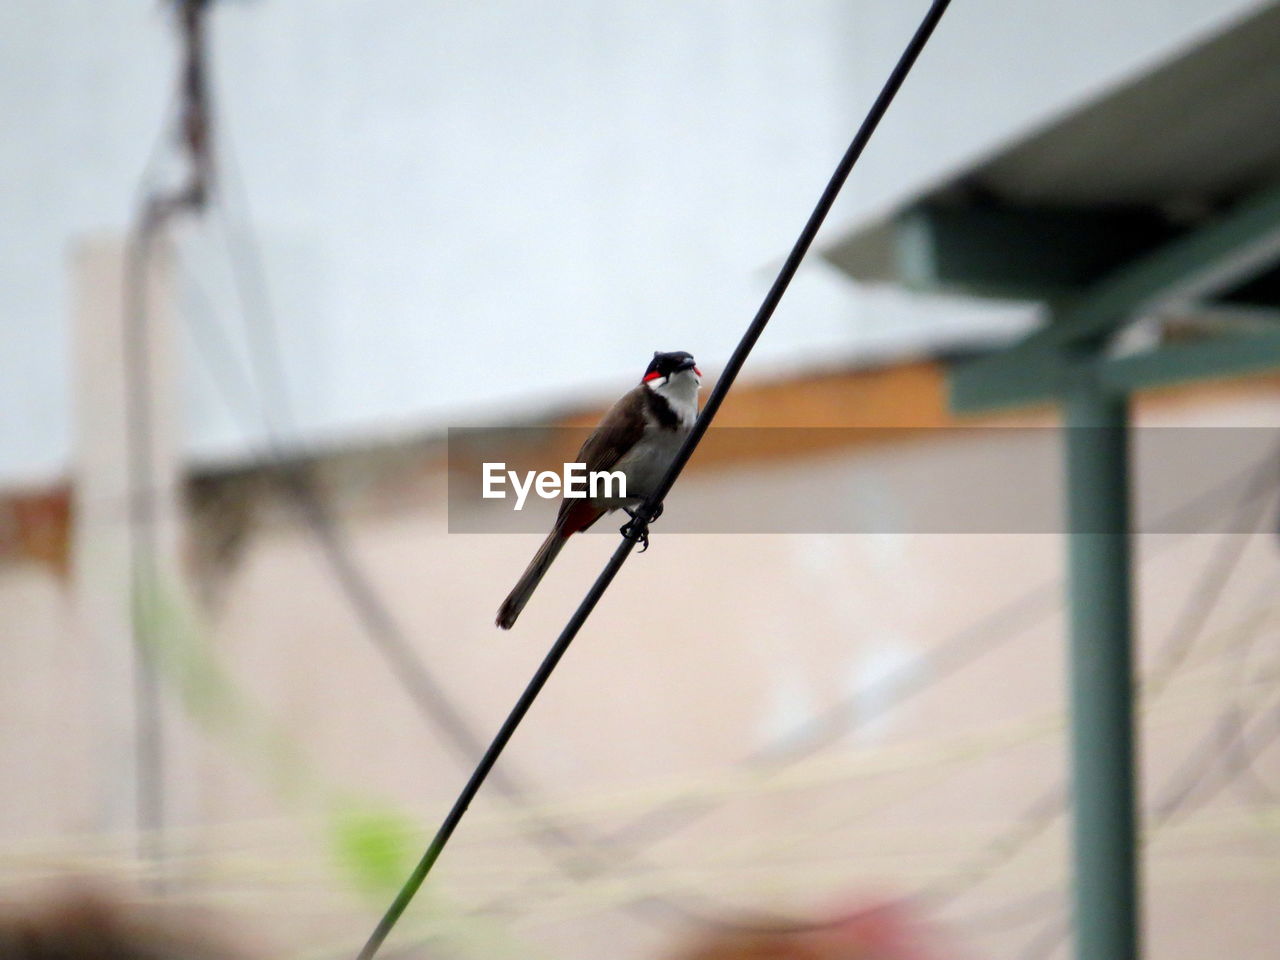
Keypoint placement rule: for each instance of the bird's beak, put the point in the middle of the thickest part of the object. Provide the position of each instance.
(688, 365)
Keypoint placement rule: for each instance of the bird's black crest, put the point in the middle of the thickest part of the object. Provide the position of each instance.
(665, 364)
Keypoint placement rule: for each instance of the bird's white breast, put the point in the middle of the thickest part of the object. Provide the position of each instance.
(681, 392)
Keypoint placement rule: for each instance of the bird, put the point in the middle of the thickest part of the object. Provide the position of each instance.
(639, 437)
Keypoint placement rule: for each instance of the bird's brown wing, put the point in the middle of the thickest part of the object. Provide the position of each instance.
(618, 431)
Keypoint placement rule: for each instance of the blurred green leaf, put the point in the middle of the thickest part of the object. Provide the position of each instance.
(377, 847)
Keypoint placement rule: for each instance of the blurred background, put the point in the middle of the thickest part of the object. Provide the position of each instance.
(258, 256)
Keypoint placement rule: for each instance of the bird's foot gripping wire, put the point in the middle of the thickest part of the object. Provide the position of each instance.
(637, 528)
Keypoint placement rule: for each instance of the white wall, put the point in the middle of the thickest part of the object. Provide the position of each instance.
(466, 208)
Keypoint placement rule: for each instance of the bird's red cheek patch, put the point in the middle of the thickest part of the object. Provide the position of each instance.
(655, 375)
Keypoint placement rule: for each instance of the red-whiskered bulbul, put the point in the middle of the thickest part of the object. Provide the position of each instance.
(639, 437)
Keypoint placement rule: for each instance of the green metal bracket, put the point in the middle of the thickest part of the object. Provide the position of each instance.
(1241, 244)
(1044, 376)
(1018, 253)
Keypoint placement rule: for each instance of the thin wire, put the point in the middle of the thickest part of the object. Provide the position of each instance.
(912, 679)
(1199, 770)
(955, 653)
(267, 368)
(899, 688)
(1258, 791)
(1196, 611)
(1055, 932)
(648, 509)
(905, 683)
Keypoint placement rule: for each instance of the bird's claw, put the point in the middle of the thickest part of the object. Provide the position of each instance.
(636, 530)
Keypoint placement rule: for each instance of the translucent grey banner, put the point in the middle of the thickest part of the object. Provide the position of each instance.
(881, 480)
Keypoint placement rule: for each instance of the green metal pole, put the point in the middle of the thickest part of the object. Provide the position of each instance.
(1101, 685)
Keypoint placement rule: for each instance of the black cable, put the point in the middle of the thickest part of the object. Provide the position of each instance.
(648, 510)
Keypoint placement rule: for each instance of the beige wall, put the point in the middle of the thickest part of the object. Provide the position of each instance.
(707, 648)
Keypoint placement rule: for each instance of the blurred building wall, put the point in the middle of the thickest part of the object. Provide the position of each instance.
(314, 777)
(451, 201)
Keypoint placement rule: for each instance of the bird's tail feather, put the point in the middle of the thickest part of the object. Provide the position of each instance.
(531, 577)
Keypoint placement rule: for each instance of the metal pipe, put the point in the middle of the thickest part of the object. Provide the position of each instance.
(1101, 685)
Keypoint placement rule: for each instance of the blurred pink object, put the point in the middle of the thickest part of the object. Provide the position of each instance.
(884, 931)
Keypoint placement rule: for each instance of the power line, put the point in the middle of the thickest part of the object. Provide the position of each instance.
(1053, 933)
(1196, 611)
(637, 529)
(1199, 767)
